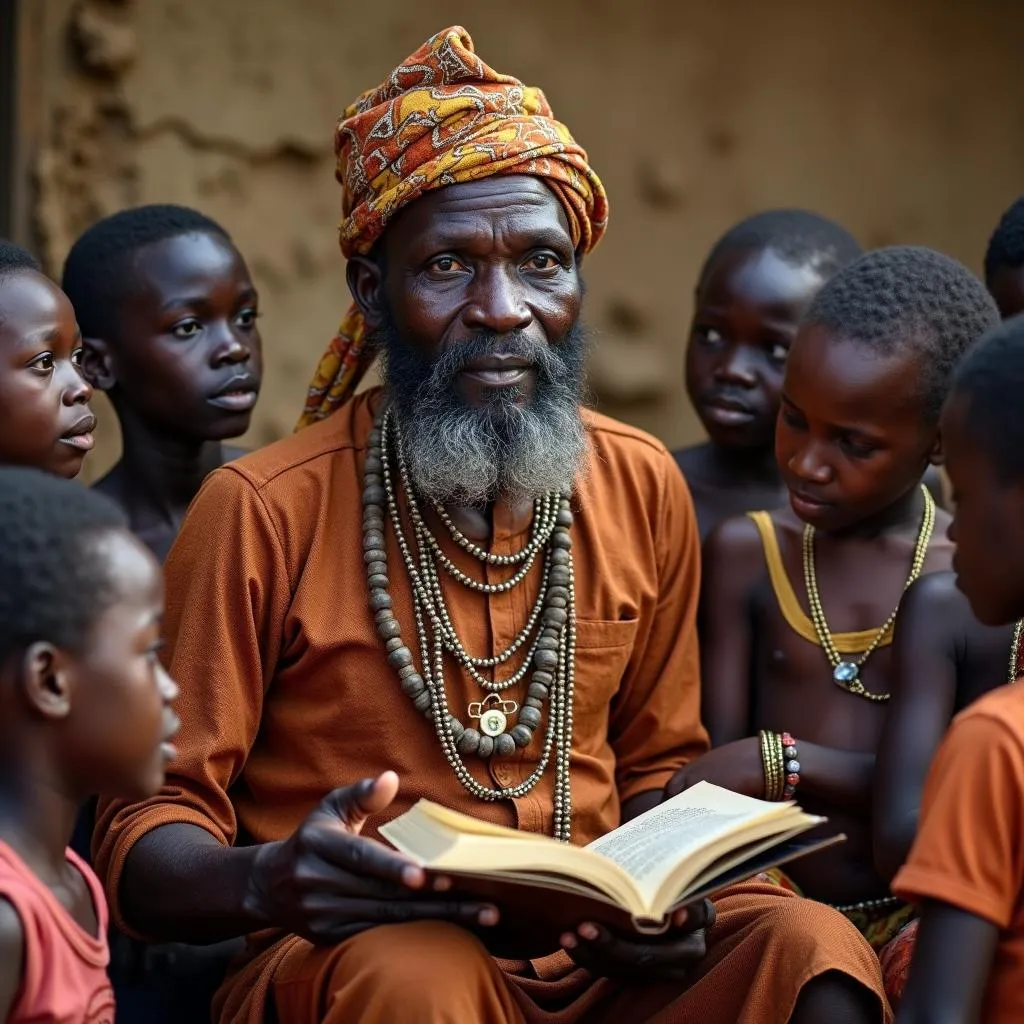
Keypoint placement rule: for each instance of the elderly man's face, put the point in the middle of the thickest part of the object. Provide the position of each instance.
(488, 257)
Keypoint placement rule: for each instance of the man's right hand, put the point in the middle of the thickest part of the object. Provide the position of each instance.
(327, 882)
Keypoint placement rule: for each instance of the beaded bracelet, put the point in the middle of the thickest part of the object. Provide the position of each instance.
(773, 764)
(791, 766)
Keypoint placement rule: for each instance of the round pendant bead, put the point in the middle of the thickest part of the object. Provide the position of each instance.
(845, 672)
(485, 747)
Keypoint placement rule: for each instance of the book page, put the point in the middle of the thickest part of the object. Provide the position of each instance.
(653, 844)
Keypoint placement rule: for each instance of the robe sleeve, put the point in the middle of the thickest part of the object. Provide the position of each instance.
(227, 597)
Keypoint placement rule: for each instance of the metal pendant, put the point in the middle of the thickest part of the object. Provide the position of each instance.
(492, 713)
(845, 672)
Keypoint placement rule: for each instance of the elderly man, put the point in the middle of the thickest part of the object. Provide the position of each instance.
(345, 605)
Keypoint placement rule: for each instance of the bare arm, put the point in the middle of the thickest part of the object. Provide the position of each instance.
(325, 882)
(923, 698)
(12, 954)
(180, 883)
(836, 776)
(952, 960)
(733, 562)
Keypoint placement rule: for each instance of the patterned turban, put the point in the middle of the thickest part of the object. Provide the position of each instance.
(440, 118)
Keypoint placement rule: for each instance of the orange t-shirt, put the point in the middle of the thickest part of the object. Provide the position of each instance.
(64, 969)
(969, 850)
(285, 690)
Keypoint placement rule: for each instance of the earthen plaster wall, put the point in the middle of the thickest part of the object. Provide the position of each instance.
(904, 120)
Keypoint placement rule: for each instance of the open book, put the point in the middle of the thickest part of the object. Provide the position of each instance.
(676, 853)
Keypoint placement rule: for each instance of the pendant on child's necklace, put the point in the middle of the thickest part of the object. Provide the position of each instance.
(493, 713)
(845, 672)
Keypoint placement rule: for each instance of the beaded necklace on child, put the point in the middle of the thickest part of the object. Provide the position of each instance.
(846, 674)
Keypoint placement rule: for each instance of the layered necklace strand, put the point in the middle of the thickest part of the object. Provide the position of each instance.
(846, 674)
(552, 623)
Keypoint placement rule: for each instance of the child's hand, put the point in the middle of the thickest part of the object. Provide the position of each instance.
(736, 766)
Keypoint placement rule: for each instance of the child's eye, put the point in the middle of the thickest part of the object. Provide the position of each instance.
(858, 449)
(186, 329)
(247, 318)
(76, 358)
(709, 336)
(43, 362)
(779, 353)
(791, 419)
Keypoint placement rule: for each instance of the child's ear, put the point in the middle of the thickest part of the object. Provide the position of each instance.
(936, 458)
(46, 680)
(98, 364)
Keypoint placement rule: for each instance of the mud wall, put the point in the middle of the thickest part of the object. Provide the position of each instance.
(905, 121)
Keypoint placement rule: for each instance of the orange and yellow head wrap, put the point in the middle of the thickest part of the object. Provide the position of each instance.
(441, 117)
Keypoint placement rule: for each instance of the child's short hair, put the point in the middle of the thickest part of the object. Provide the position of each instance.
(907, 297)
(798, 236)
(991, 380)
(53, 580)
(98, 273)
(14, 257)
(1006, 246)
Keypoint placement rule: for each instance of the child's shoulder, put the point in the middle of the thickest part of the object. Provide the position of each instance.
(12, 955)
(742, 546)
(999, 712)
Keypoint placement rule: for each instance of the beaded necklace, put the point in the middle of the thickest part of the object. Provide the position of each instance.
(1015, 652)
(846, 674)
(552, 623)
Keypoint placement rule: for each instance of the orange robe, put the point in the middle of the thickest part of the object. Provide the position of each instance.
(285, 694)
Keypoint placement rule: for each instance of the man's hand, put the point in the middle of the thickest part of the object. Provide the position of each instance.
(736, 766)
(669, 957)
(327, 882)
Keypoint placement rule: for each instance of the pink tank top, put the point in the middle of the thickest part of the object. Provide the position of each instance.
(64, 980)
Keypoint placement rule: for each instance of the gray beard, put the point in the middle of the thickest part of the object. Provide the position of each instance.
(472, 456)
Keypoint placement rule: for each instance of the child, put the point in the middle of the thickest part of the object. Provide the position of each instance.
(1004, 261)
(863, 389)
(84, 707)
(967, 863)
(168, 312)
(754, 286)
(45, 419)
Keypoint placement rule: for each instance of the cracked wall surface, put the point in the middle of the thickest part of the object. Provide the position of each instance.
(904, 121)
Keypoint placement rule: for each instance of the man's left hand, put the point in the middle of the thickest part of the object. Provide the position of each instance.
(736, 766)
(671, 957)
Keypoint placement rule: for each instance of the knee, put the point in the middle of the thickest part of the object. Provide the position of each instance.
(811, 933)
(415, 957)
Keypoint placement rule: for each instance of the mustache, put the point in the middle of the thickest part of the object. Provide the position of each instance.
(442, 370)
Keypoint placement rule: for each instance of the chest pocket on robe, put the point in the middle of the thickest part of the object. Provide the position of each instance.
(603, 650)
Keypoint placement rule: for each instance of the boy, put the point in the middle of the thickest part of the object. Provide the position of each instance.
(863, 389)
(754, 286)
(168, 312)
(1004, 261)
(967, 864)
(84, 707)
(45, 419)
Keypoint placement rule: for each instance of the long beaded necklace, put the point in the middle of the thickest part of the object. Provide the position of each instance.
(552, 622)
(846, 674)
(1015, 652)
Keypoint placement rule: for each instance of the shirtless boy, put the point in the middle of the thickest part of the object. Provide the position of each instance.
(45, 421)
(755, 285)
(168, 312)
(864, 386)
